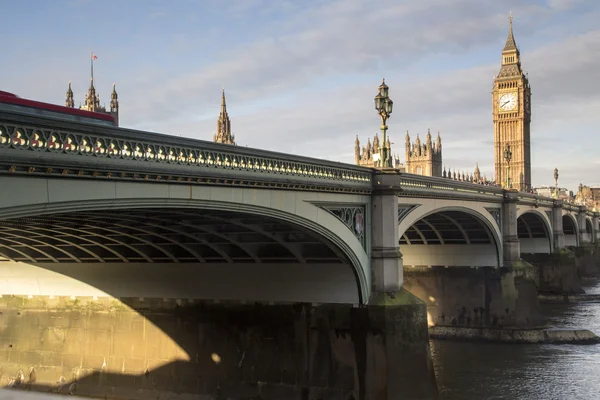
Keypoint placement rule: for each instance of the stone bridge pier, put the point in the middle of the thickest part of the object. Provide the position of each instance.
(573, 255)
(463, 259)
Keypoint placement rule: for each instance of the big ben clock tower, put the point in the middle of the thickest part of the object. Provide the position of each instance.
(512, 116)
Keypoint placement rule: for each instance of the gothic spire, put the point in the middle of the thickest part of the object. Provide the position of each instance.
(223, 134)
(69, 102)
(510, 40)
(223, 105)
(114, 99)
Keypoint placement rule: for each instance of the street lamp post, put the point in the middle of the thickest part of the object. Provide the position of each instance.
(507, 157)
(556, 181)
(384, 105)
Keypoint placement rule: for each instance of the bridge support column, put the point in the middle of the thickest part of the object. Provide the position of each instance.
(516, 290)
(558, 236)
(386, 259)
(390, 334)
(596, 224)
(581, 222)
(510, 238)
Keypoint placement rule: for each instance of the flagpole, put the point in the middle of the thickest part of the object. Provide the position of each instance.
(92, 64)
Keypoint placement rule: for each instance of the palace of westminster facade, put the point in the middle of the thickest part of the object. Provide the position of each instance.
(511, 108)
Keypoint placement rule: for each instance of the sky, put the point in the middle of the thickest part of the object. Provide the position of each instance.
(300, 76)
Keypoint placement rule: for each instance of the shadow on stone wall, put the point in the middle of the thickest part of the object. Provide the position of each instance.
(138, 349)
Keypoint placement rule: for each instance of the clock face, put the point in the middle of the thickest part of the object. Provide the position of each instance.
(507, 101)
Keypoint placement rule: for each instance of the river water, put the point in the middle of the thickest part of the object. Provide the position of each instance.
(482, 371)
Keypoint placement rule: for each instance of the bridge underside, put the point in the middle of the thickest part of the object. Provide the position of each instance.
(570, 230)
(187, 253)
(449, 238)
(533, 234)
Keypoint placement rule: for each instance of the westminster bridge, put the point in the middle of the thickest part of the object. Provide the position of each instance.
(134, 263)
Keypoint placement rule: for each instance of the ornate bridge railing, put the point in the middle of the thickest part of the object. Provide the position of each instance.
(33, 144)
(410, 185)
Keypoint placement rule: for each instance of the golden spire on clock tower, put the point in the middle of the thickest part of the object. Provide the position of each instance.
(512, 117)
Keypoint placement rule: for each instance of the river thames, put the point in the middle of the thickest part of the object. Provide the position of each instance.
(482, 371)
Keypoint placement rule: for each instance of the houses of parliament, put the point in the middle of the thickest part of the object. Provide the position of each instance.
(511, 106)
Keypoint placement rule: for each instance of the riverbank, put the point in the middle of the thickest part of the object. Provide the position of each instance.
(513, 335)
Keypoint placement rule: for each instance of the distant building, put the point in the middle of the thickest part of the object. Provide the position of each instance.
(368, 156)
(422, 159)
(550, 191)
(223, 133)
(92, 99)
(588, 196)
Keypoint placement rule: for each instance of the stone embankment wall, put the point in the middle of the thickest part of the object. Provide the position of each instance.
(561, 273)
(557, 273)
(587, 259)
(144, 348)
(476, 296)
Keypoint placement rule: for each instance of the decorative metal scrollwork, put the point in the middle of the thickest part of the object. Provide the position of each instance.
(496, 214)
(77, 143)
(353, 216)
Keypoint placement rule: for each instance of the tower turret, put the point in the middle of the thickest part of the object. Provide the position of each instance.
(418, 145)
(114, 99)
(477, 173)
(69, 102)
(356, 150)
(114, 104)
(92, 102)
(428, 142)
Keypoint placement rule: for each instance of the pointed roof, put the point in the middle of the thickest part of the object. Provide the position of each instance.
(223, 104)
(510, 40)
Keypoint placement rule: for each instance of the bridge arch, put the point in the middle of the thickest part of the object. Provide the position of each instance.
(589, 228)
(570, 229)
(162, 231)
(437, 237)
(535, 232)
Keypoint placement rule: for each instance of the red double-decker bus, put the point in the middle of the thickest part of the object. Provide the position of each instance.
(12, 102)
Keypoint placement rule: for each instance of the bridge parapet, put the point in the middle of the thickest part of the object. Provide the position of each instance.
(426, 186)
(38, 145)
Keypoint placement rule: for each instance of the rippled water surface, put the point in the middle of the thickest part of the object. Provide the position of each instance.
(478, 371)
